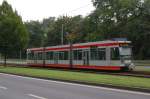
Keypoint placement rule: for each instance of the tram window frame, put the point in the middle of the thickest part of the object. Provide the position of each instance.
(80, 54)
(56, 55)
(77, 54)
(93, 53)
(40, 56)
(115, 56)
(50, 55)
(31, 56)
(97, 53)
(101, 54)
(66, 53)
(63, 55)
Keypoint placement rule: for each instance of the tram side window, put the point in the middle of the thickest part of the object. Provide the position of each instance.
(115, 53)
(66, 55)
(101, 54)
(31, 56)
(40, 56)
(50, 55)
(98, 53)
(63, 55)
(77, 54)
(94, 53)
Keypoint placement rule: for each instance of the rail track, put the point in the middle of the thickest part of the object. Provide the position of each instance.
(142, 74)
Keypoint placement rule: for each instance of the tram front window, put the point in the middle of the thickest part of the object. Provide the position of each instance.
(125, 52)
(125, 55)
(115, 53)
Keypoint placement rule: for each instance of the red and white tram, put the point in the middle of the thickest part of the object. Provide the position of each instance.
(101, 55)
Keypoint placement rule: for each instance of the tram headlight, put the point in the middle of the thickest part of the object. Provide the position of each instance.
(132, 65)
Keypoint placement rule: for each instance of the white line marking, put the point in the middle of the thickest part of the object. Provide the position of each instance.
(82, 85)
(35, 96)
(2, 87)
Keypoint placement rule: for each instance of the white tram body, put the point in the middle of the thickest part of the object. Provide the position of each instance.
(101, 55)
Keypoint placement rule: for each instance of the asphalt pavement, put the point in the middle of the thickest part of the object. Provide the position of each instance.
(17, 87)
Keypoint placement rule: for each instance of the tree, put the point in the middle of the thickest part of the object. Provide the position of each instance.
(110, 19)
(36, 34)
(70, 25)
(124, 18)
(13, 33)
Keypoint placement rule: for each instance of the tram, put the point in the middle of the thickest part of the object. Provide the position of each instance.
(100, 55)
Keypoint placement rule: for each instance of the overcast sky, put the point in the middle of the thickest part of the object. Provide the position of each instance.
(39, 9)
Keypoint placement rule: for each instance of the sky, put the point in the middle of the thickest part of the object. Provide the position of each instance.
(39, 9)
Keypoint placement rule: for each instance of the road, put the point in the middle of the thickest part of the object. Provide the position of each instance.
(17, 87)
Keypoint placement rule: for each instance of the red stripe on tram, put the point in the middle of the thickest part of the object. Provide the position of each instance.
(75, 46)
(79, 66)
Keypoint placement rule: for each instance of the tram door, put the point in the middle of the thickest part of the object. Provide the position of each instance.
(85, 57)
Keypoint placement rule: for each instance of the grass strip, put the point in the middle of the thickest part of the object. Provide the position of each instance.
(125, 81)
(142, 68)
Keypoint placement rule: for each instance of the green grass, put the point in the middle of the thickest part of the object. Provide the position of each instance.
(142, 68)
(82, 77)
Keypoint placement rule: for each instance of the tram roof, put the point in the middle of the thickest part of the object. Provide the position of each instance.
(87, 44)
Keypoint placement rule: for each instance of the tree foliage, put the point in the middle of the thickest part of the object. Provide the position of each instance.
(36, 34)
(125, 18)
(13, 33)
(110, 19)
